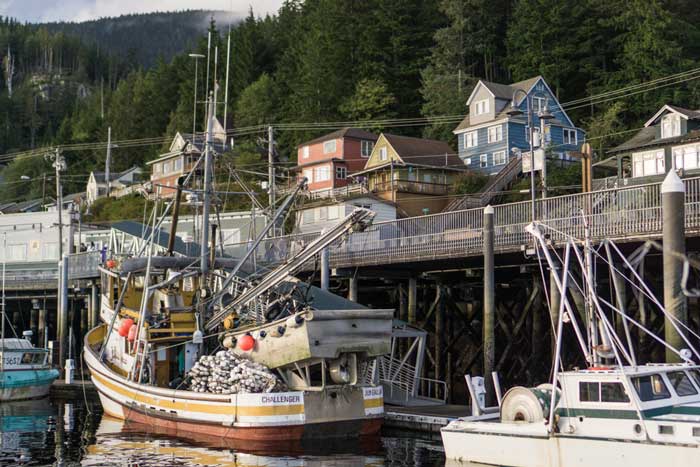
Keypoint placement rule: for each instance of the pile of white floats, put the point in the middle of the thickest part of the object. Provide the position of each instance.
(228, 373)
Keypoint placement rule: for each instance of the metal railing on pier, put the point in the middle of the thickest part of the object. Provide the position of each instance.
(632, 212)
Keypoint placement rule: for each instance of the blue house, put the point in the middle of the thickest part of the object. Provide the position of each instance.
(487, 136)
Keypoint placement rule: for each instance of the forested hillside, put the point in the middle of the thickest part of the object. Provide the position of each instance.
(347, 60)
(144, 38)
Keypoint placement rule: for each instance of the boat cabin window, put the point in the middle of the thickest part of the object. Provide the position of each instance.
(589, 392)
(613, 392)
(695, 374)
(681, 383)
(27, 358)
(602, 392)
(651, 387)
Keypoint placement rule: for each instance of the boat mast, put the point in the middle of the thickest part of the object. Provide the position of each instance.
(204, 256)
(2, 330)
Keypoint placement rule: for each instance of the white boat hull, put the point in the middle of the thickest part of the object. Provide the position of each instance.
(532, 447)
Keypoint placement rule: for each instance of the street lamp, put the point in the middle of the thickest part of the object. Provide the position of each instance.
(196, 76)
(514, 112)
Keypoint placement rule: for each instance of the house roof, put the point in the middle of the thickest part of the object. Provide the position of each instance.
(683, 112)
(100, 177)
(646, 139)
(427, 152)
(353, 133)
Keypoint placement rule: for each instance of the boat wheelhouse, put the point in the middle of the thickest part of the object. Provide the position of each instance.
(24, 372)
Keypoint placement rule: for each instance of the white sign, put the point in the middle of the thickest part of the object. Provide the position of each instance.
(539, 161)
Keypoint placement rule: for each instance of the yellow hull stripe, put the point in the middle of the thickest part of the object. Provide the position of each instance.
(209, 408)
(374, 403)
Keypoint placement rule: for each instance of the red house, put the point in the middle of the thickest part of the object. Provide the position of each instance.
(327, 161)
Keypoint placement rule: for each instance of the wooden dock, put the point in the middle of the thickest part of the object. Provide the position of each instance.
(78, 389)
(428, 418)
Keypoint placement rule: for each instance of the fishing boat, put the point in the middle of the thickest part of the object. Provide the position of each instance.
(215, 346)
(25, 372)
(614, 412)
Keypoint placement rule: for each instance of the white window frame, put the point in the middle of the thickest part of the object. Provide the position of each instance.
(481, 107)
(471, 139)
(366, 147)
(468, 161)
(648, 163)
(309, 174)
(674, 126)
(498, 133)
(567, 136)
(341, 173)
(305, 152)
(538, 103)
(383, 154)
(322, 173)
(686, 157)
(500, 158)
(177, 164)
(483, 161)
(330, 146)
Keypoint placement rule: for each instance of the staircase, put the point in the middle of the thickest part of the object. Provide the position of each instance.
(496, 184)
(403, 387)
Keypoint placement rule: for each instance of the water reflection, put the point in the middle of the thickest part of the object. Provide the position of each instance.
(42, 433)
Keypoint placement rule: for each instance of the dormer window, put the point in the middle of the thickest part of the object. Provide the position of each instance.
(670, 126)
(482, 107)
(538, 104)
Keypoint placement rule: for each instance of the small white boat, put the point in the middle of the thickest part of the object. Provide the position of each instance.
(614, 413)
(24, 372)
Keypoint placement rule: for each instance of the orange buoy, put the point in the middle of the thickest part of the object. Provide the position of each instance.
(125, 326)
(246, 342)
(110, 263)
(599, 368)
(131, 336)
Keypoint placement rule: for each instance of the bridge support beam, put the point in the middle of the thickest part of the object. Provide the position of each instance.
(412, 300)
(41, 327)
(325, 269)
(554, 303)
(675, 303)
(489, 321)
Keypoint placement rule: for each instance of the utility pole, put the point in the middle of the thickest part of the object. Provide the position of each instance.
(108, 161)
(59, 163)
(271, 173)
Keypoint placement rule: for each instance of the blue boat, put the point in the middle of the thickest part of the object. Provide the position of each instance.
(24, 371)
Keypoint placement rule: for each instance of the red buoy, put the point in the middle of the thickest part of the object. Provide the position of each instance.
(246, 342)
(110, 263)
(131, 337)
(125, 326)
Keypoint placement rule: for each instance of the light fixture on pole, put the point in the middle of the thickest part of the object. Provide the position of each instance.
(515, 111)
(196, 78)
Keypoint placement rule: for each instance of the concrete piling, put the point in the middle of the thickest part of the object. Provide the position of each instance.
(352, 289)
(489, 321)
(675, 302)
(325, 269)
(412, 300)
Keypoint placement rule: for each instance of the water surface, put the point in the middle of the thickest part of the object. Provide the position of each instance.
(53, 433)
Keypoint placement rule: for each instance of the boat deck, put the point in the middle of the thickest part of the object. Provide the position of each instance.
(428, 418)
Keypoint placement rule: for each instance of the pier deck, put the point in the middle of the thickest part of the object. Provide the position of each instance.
(428, 418)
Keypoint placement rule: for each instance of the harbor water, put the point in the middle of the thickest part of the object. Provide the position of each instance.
(71, 433)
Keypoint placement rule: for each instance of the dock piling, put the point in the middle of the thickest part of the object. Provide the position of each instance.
(673, 215)
(489, 321)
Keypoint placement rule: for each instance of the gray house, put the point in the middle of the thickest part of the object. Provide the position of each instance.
(669, 139)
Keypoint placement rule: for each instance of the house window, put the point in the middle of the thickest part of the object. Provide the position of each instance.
(17, 252)
(156, 168)
(670, 126)
(648, 163)
(471, 139)
(323, 213)
(309, 174)
(538, 103)
(685, 157)
(495, 133)
(468, 161)
(341, 173)
(166, 167)
(307, 217)
(305, 152)
(570, 136)
(178, 164)
(51, 250)
(322, 174)
(482, 107)
(333, 212)
(329, 147)
(483, 160)
(382, 154)
(366, 148)
(499, 158)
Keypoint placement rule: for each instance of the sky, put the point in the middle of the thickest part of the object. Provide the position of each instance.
(37, 11)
